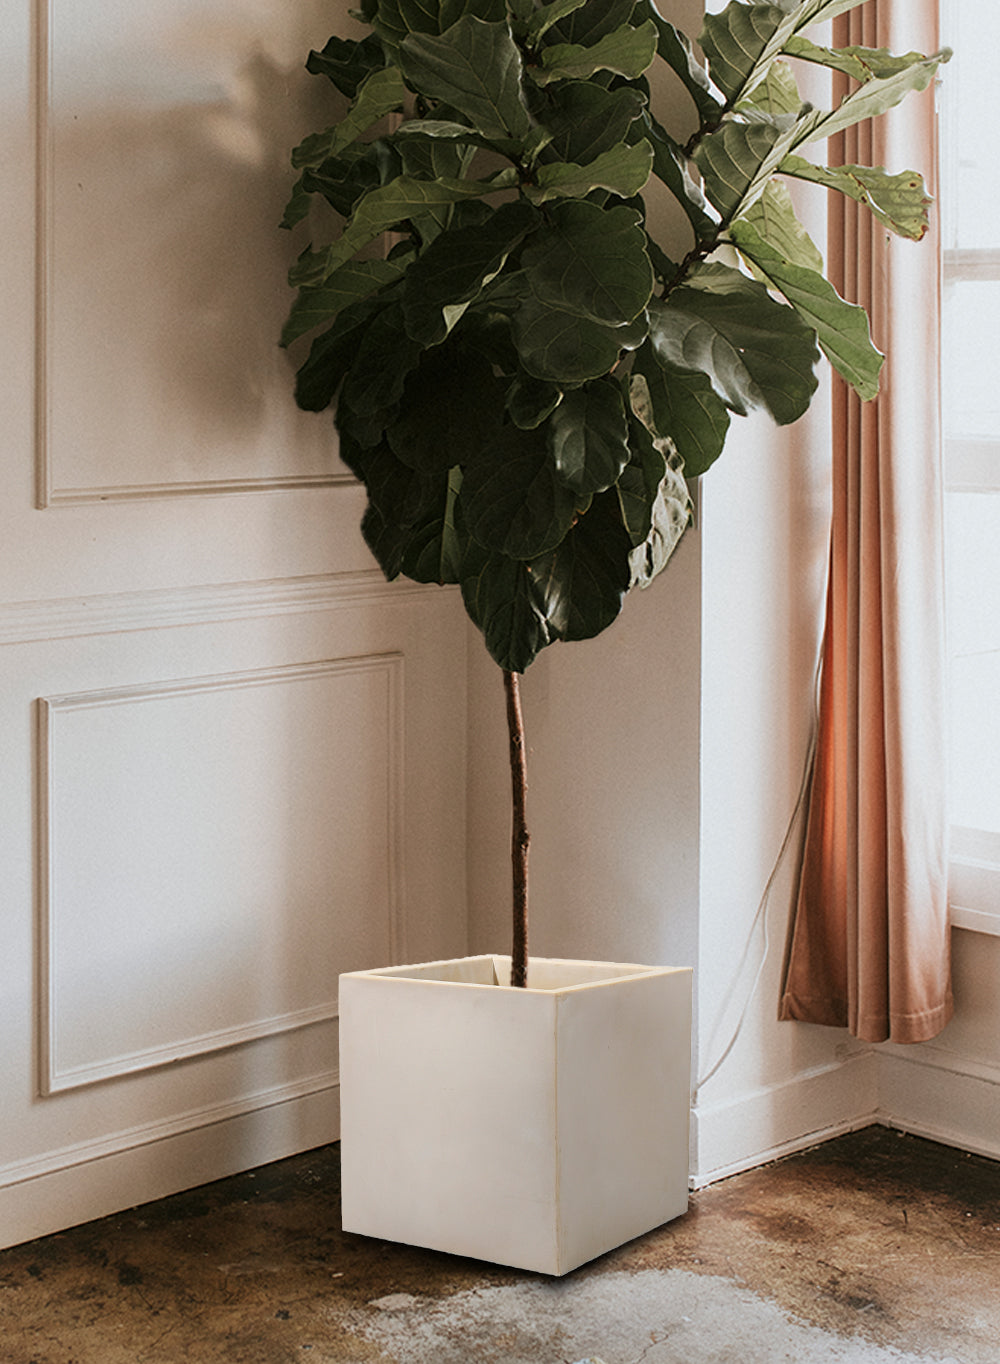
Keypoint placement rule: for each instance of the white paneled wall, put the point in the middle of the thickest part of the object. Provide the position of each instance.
(163, 140)
(203, 826)
(174, 818)
(232, 758)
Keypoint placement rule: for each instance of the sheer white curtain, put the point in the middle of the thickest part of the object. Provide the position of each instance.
(869, 945)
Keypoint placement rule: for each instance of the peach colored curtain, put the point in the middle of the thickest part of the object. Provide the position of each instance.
(869, 940)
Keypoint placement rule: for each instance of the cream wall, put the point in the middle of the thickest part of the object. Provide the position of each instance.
(765, 510)
(233, 757)
(612, 728)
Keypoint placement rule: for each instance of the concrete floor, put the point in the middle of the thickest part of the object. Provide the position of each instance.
(875, 1248)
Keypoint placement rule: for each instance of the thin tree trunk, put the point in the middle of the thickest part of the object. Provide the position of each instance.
(519, 835)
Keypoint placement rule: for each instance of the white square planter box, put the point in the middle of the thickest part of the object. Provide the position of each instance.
(534, 1128)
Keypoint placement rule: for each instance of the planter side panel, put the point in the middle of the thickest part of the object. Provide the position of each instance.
(623, 1111)
(448, 1118)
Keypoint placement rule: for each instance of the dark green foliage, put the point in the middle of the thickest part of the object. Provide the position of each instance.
(523, 377)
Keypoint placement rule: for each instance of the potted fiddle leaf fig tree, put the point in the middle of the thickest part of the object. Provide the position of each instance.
(525, 379)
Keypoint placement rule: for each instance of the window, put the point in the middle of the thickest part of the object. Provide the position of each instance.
(970, 378)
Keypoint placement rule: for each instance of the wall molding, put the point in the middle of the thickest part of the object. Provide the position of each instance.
(200, 1045)
(108, 613)
(71, 1157)
(934, 1092)
(97, 1178)
(927, 1090)
(54, 1078)
(933, 1056)
(777, 1119)
(51, 496)
(47, 492)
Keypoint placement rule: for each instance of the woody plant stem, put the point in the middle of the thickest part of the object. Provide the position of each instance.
(520, 838)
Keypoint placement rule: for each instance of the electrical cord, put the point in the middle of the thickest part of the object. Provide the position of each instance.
(761, 916)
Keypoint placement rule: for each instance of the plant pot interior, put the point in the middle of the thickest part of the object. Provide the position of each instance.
(545, 973)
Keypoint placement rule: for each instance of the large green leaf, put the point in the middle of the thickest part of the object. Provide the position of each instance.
(456, 266)
(389, 541)
(899, 202)
(347, 62)
(403, 497)
(581, 585)
(742, 41)
(588, 437)
(380, 93)
(474, 67)
(452, 406)
(735, 41)
(627, 52)
(860, 63)
(500, 597)
(351, 283)
(331, 354)
(585, 120)
(342, 180)
(734, 162)
(433, 553)
(409, 523)
(393, 20)
(530, 401)
(379, 211)
(671, 518)
(572, 593)
(666, 504)
(590, 261)
(374, 383)
(776, 94)
(774, 217)
(639, 481)
(566, 349)
(386, 539)
(841, 328)
(593, 21)
(755, 351)
(431, 158)
(298, 205)
(442, 130)
(685, 408)
(512, 501)
(739, 159)
(541, 19)
(877, 96)
(623, 170)
(442, 162)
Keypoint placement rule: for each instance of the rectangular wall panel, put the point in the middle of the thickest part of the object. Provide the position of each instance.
(212, 854)
(163, 168)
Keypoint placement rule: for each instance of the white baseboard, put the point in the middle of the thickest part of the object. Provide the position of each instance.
(927, 1091)
(94, 1180)
(788, 1116)
(932, 1092)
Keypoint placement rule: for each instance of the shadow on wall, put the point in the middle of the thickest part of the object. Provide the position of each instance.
(167, 268)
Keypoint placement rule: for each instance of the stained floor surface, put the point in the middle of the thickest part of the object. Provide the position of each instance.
(875, 1248)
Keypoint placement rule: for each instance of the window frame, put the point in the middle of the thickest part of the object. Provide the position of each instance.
(969, 466)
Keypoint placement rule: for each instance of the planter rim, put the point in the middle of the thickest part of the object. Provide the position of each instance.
(498, 965)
